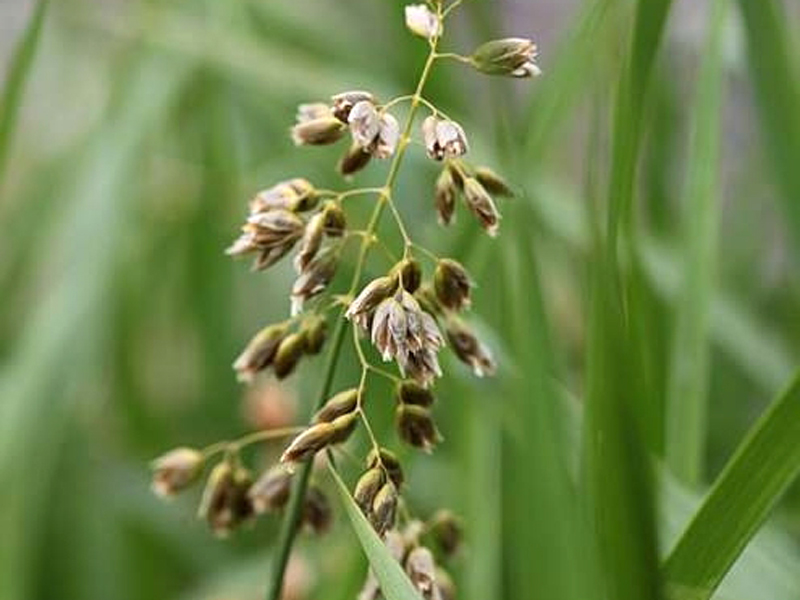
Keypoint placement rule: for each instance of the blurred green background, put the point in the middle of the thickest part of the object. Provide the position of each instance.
(133, 133)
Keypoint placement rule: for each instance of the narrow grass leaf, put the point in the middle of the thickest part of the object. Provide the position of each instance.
(774, 69)
(750, 485)
(687, 397)
(14, 86)
(394, 583)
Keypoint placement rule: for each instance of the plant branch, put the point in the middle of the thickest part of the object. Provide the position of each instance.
(293, 510)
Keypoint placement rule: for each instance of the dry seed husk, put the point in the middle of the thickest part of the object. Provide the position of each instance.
(288, 354)
(388, 461)
(271, 490)
(410, 392)
(384, 508)
(176, 470)
(409, 272)
(367, 487)
(452, 284)
(339, 404)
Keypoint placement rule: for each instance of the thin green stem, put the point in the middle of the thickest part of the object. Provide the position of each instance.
(455, 56)
(293, 510)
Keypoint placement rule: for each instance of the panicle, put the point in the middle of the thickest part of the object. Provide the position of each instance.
(176, 470)
(512, 57)
(443, 138)
(469, 349)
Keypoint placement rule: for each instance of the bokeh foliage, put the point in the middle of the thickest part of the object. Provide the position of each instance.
(642, 298)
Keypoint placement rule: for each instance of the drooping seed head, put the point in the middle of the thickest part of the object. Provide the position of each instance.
(385, 143)
(225, 503)
(410, 392)
(375, 292)
(176, 470)
(386, 460)
(481, 204)
(314, 330)
(343, 103)
(289, 352)
(311, 242)
(421, 569)
(339, 404)
(443, 138)
(422, 21)
(416, 427)
(309, 442)
(317, 512)
(355, 159)
(318, 132)
(312, 111)
(512, 57)
(492, 182)
(384, 508)
(335, 219)
(389, 329)
(295, 195)
(343, 427)
(447, 530)
(271, 490)
(367, 488)
(469, 349)
(260, 352)
(452, 284)
(314, 279)
(445, 192)
(408, 272)
(365, 123)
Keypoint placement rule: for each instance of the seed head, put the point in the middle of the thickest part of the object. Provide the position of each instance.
(175, 471)
(335, 219)
(309, 442)
(492, 182)
(287, 356)
(355, 159)
(314, 279)
(421, 569)
(416, 427)
(409, 272)
(311, 242)
(512, 57)
(260, 352)
(410, 392)
(387, 461)
(225, 503)
(314, 330)
(375, 292)
(365, 123)
(447, 531)
(384, 508)
(452, 284)
(469, 349)
(343, 103)
(271, 491)
(388, 136)
(343, 427)
(443, 138)
(295, 195)
(318, 132)
(422, 21)
(481, 204)
(445, 193)
(340, 404)
(272, 234)
(317, 512)
(311, 111)
(367, 488)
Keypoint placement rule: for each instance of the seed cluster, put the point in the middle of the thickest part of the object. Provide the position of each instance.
(409, 313)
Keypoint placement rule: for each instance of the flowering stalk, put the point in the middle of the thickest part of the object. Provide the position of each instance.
(398, 312)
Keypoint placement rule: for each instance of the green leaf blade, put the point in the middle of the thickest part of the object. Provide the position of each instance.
(394, 583)
(756, 476)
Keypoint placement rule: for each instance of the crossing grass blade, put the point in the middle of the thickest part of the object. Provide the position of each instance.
(395, 585)
(687, 397)
(14, 86)
(754, 479)
(774, 69)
